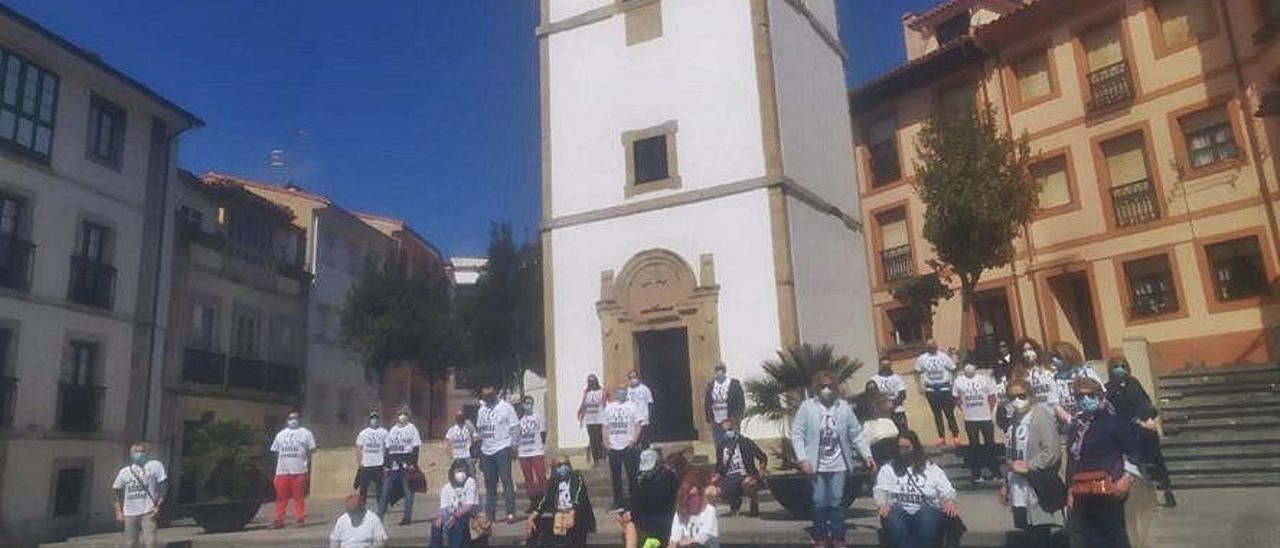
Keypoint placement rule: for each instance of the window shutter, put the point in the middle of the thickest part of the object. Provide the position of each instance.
(1033, 77)
(1103, 47)
(894, 233)
(1126, 159)
(1197, 121)
(1055, 189)
(1182, 20)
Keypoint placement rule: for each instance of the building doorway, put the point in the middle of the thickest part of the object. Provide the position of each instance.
(663, 359)
(992, 323)
(1075, 301)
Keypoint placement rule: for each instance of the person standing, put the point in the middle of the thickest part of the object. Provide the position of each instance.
(737, 474)
(935, 370)
(723, 400)
(529, 450)
(357, 527)
(975, 395)
(642, 399)
(827, 438)
(458, 503)
(371, 448)
(497, 423)
(139, 493)
(891, 384)
(403, 442)
(459, 438)
(1103, 456)
(1132, 403)
(624, 423)
(653, 502)
(293, 447)
(589, 416)
(913, 496)
(1033, 450)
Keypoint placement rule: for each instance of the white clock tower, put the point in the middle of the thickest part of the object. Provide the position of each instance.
(699, 198)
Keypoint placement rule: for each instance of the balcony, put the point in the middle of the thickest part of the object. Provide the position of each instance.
(204, 366)
(79, 407)
(1110, 87)
(222, 372)
(8, 395)
(1135, 203)
(15, 262)
(92, 282)
(896, 262)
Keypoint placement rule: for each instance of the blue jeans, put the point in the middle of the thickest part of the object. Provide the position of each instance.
(922, 529)
(393, 477)
(828, 515)
(454, 537)
(498, 466)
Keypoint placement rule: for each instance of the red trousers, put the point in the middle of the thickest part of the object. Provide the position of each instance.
(291, 486)
(535, 475)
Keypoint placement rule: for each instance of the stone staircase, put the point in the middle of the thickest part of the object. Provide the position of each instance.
(1222, 426)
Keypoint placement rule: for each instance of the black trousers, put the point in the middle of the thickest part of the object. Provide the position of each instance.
(981, 454)
(1101, 521)
(1155, 467)
(595, 433)
(366, 475)
(900, 420)
(941, 402)
(620, 459)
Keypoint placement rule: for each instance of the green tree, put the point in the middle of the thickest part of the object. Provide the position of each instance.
(920, 294)
(503, 313)
(978, 195)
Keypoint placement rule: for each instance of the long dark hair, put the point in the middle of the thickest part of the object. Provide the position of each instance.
(916, 461)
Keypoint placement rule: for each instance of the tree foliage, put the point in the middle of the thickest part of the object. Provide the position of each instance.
(920, 294)
(502, 316)
(977, 192)
(391, 318)
(227, 458)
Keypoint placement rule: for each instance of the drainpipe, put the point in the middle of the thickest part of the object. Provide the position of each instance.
(1250, 131)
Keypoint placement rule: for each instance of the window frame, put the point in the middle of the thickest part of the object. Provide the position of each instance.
(1207, 273)
(239, 310)
(1181, 146)
(1081, 53)
(207, 303)
(100, 107)
(880, 282)
(1073, 186)
(672, 181)
(1170, 255)
(1017, 102)
(25, 64)
(1159, 42)
(71, 372)
(1105, 184)
(892, 348)
(873, 183)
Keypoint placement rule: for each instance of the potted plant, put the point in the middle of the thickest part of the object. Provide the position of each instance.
(777, 398)
(228, 459)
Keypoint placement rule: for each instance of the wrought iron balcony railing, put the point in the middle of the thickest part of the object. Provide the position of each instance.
(896, 262)
(80, 407)
(1110, 86)
(15, 262)
(92, 282)
(1135, 203)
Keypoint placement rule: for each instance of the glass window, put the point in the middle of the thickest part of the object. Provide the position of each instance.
(905, 329)
(1209, 137)
(1151, 289)
(244, 334)
(82, 369)
(882, 146)
(106, 131)
(1237, 269)
(1183, 21)
(204, 324)
(1055, 185)
(1102, 47)
(283, 334)
(1126, 159)
(93, 241)
(893, 229)
(1034, 80)
(28, 100)
(68, 491)
(10, 220)
(650, 157)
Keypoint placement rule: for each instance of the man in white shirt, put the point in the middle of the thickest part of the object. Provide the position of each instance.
(623, 424)
(935, 368)
(891, 384)
(642, 399)
(497, 423)
(530, 451)
(459, 438)
(357, 527)
(403, 441)
(293, 447)
(139, 492)
(976, 396)
(723, 401)
(370, 455)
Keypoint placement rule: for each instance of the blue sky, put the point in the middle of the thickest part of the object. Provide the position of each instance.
(423, 110)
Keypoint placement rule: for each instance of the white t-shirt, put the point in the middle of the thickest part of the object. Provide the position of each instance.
(891, 385)
(369, 534)
(720, 400)
(459, 438)
(640, 396)
(733, 460)
(910, 491)
(700, 528)
(140, 484)
(291, 447)
(564, 497)
(373, 441)
(401, 440)
(496, 424)
(935, 369)
(592, 403)
(452, 498)
(530, 444)
(1020, 493)
(830, 454)
(974, 395)
(622, 424)
(1042, 385)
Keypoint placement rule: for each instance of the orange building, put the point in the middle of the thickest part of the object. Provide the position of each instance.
(1157, 212)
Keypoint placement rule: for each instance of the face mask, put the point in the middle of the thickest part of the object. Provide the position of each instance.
(292, 423)
(562, 470)
(403, 419)
(1058, 363)
(373, 423)
(1119, 372)
(635, 382)
(138, 457)
(886, 370)
(1029, 356)
(527, 406)
(1089, 404)
(460, 421)
(694, 501)
(356, 516)
(620, 396)
(721, 376)
(1020, 406)
(730, 434)
(459, 477)
(827, 394)
(970, 370)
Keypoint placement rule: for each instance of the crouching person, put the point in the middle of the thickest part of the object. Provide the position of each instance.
(357, 527)
(458, 502)
(563, 516)
(736, 472)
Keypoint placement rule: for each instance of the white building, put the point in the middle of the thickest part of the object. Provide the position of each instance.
(86, 178)
(699, 197)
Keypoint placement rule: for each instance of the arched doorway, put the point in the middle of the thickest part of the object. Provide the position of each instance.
(657, 317)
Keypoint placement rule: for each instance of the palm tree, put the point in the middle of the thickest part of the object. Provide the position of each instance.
(778, 395)
(227, 456)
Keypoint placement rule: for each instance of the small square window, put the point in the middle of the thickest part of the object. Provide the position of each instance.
(1151, 288)
(106, 131)
(1209, 137)
(651, 159)
(1237, 269)
(905, 329)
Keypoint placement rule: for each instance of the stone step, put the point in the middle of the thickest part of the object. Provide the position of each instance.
(1253, 376)
(1196, 414)
(1225, 371)
(1220, 453)
(1202, 481)
(1240, 402)
(1221, 437)
(1216, 390)
(1223, 424)
(1225, 466)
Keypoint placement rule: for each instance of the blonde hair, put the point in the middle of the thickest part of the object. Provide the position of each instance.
(1068, 352)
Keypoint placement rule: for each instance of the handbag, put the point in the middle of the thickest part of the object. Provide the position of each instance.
(417, 481)
(480, 525)
(953, 529)
(1051, 491)
(1092, 484)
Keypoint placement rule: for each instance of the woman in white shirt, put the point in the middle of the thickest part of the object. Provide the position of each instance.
(695, 522)
(593, 401)
(914, 495)
(458, 502)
